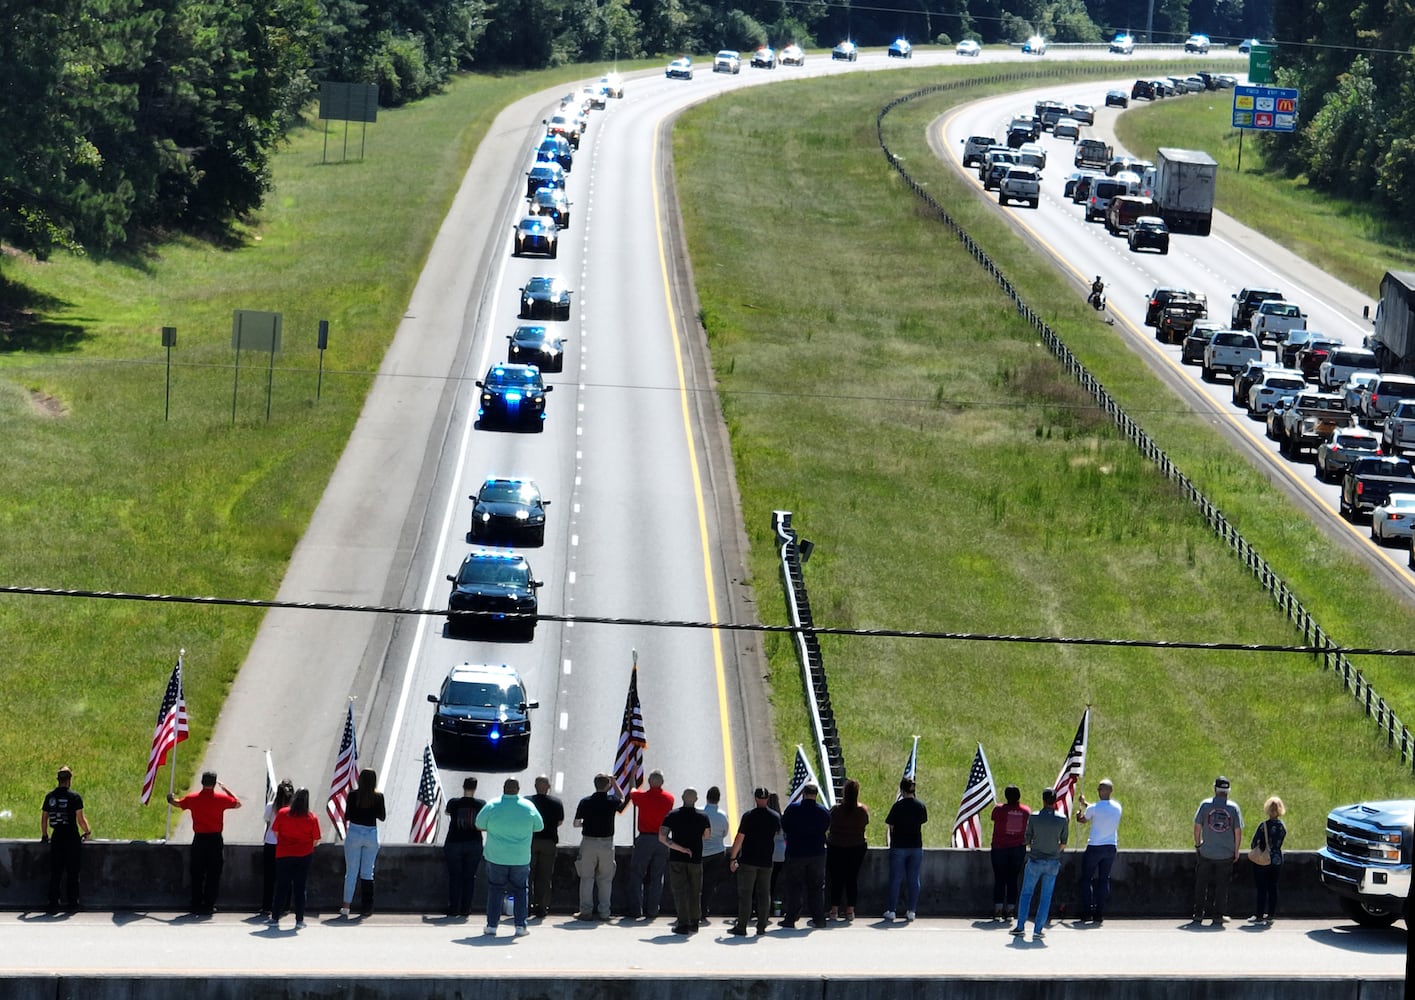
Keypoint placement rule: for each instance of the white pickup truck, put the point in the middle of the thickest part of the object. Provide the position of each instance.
(1274, 318)
(1229, 352)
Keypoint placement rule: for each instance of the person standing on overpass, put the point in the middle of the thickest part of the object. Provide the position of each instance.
(208, 808)
(1218, 840)
(1104, 820)
(508, 824)
(544, 845)
(649, 862)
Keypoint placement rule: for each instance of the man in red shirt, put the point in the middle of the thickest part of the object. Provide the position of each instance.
(650, 857)
(208, 808)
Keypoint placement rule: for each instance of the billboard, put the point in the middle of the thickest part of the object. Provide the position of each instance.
(1266, 109)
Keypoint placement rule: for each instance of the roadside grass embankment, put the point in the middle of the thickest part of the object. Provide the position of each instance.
(952, 477)
(1348, 239)
(101, 493)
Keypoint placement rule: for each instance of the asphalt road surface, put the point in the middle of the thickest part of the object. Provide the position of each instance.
(643, 523)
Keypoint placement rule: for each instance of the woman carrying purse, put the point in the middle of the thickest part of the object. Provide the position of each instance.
(1268, 837)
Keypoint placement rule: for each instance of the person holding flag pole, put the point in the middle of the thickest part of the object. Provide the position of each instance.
(172, 728)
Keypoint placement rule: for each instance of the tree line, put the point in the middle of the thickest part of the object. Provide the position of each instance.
(124, 118)
(1354, 68)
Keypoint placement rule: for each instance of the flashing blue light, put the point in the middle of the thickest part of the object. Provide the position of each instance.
(494, 735)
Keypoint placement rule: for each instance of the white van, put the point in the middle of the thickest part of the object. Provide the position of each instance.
(1105, 188)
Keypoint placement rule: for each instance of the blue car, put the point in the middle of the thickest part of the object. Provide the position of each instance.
(537, 234)
(513, 395)
(543, 174)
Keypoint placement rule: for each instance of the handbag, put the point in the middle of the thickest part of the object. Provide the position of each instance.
(1260, 855)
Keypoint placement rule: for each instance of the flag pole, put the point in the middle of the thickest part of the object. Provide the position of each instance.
(172, 768)
(635, 815)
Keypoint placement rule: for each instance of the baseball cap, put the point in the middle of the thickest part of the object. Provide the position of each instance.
(760, 793)
(1221, 783)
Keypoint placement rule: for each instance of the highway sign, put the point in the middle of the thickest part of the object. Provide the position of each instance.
(1260, 63)
(1266, 109)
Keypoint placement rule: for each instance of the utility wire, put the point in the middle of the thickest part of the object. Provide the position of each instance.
(881, 633)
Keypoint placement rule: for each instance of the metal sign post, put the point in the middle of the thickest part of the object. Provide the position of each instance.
(169, 341)
(347, 102)
(256, 331)
(321, 342)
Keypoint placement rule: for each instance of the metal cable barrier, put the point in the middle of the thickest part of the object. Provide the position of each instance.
(808, 653)
(1352, 679)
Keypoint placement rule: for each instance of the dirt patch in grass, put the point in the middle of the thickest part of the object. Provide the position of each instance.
(47, 405)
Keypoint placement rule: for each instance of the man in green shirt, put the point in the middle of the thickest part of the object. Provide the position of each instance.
(508, 823)
(1047, 831)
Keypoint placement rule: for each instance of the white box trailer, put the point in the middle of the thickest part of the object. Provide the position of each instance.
(1184, 189)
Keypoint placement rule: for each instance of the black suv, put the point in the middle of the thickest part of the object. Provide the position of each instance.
(512, 395)
(495, 585)
(1142, 90)
(482, 711)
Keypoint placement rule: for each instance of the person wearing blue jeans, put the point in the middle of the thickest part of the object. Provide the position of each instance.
(905, 826)
(362, 812)
(508, 824)
(1046, 838)
(1103, 818)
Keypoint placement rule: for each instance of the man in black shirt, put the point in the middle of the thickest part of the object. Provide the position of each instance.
(544, 844)
(64, 828)
(462, 849)
(594, 818)
(750, 858)
(682, 833)
(905, 824)
(805, 823)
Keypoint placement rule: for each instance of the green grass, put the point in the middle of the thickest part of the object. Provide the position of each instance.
(953, 478)
(1348, 239)
(102, 493)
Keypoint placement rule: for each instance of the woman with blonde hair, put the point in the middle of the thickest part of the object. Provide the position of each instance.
(1269, 835)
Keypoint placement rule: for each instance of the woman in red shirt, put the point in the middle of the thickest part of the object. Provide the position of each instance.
(1009, 851)
(296, 833)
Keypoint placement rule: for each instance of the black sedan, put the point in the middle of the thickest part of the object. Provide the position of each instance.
(482, 718)
(494, 585)
(508, 511)
(537, 234)
(542, 175)
(544, 297)
(1116, 99)
(1149, 232)
(552, 203)
(556, 149)
(534, 345)
(512, 395)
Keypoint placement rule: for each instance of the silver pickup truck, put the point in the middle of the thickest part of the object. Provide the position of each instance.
(1398, 432)
(1274, 318)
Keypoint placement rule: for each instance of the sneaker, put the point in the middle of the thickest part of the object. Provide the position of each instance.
(908, 914)
(344, 912)
(522, 930)
(761, 928)
(888, 914)
(1017, 932)
(738, 931)
(272, 921)
(1038, 934)
(1219, 922)
(489, 930)
(820, 923)
(299, 925)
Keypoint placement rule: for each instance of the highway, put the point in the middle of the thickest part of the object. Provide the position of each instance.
(1217, 265)
(643, 522)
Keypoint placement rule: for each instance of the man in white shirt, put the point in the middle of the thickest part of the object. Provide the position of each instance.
(714, 848)
(1103, 819)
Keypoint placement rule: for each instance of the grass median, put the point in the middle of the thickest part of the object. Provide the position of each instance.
(101, 492)
(952, 477)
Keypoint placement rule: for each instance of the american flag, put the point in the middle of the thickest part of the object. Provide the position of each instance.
(425, 816)
(1073, 769)
(270, 782)
(629, 755)
(801, 776)
(346, 770)
(911, 767)
(171, 728)
(978, 794)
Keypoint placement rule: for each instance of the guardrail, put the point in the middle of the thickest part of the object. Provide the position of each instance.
(1352, 679)
(808, 654)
